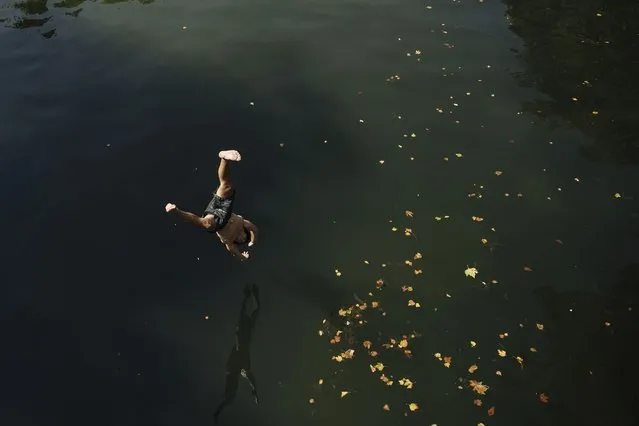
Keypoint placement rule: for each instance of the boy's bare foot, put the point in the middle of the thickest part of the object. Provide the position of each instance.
(230, 155)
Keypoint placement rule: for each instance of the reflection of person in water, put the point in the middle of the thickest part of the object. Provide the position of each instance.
(239, 361)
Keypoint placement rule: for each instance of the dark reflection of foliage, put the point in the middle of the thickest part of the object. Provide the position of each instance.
(68, 4)
(25, 23)
(28, 8)
(570, 52)
(32, 7)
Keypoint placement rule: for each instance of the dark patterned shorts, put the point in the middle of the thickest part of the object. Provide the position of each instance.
(221, 209)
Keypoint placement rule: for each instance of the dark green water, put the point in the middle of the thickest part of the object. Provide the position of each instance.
(111, 109)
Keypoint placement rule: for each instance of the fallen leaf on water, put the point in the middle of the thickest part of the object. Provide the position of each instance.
(543, 398)
(394, 229)
(540, 326)
(374, 304)
(413, 407)
(498, 373)
(373, 353)
(381, 161)
(379, 367)
(501, 352)
(478, 219)
(418, 255)
(409, 213)
(311, 401)
(559, 241)
(320, 381)
(491, 411)
(408, 262)
(344, 393)
(386, 407)
(520, 360)
(406, 383)
(438, 356)
(338, 273)
(484, 241)
(472, 368)
(407, 288)
(403, 343)
(503, 335)
(477, 402)
(617, 195)
(498, 172)
(418, 271)
(480, 423)
(528, 269)
(413, 303)
(447, 361)
(471, 272)
(478, 387)
(338, 358)
(379, 283)
(408, 232)
(533, 349)
(473, 344)
(458, 155)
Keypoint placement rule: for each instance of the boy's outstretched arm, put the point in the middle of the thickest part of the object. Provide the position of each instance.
(250, 226)
(188, 216)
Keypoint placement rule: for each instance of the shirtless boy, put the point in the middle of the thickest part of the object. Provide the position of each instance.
(232, 229)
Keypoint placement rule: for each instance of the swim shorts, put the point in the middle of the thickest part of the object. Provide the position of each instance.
(221, 209)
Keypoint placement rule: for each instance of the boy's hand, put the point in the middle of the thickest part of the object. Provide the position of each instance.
(170, 207)
(245, 255)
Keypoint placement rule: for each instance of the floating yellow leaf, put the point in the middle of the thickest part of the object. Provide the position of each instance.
(418, 271)
(381, 161)
(367, 344)
(477, 402)
(501, 352)
(617, 195)
(411, 302)
(473, 344)
(344, 393)
(374, 304)
(491, 411)
(472, 368)
(447, 361)
(438, 218)
(533, 349)
(403, 343)
(418, 255)
(459, 155)
(413, 406)
(478, 219)
(471, 272)
(320, 381)
(406, 383)
(527, 269)
(409, 213)
(543, 398)
(379, 366)
(338, 273)
(520, 360)
(438, 356)
(386, 407)
(408, 262)
(407, 288)
(394, 229)
(498, 172)
(498, 373)
(478, 387)
(408, 232)
(311, 401)
(338, 358)
(540, 326)
(484, 241)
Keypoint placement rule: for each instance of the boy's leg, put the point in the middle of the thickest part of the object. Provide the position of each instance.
(225, 189)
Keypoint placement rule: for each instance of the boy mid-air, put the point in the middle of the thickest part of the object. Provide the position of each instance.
(232, 229)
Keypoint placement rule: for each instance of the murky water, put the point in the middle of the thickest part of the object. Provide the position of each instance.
(348, 115)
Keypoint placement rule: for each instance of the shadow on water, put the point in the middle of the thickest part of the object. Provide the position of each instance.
(239, 360)
(583, 55)
(79, 345)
